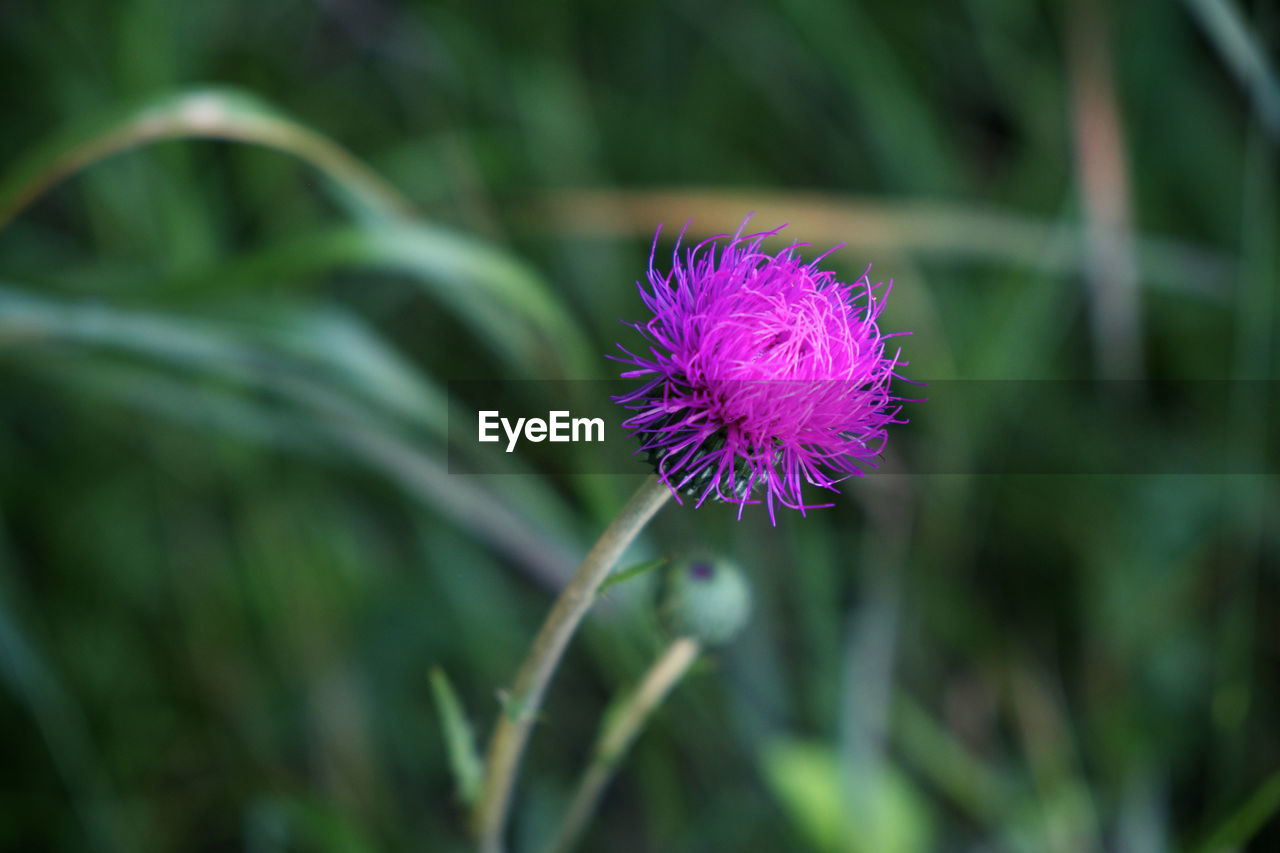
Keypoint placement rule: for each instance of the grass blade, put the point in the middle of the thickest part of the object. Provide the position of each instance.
(459, 739)
(1243, 55)
(939, 229)
(1234, 832)
(504, 302)
(224, 114)
(319, 410)
(631, 572)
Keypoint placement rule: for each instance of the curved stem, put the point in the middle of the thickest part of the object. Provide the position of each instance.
(617, 735)
(507, 744)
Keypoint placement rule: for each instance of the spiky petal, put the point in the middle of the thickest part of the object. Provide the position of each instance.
(763, 371)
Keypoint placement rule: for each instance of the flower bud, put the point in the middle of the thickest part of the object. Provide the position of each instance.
(704, 597)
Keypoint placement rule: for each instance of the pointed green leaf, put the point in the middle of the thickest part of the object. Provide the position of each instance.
(459, 740)
(627, 574)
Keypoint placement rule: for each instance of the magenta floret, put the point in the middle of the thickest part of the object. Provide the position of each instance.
(763, 371)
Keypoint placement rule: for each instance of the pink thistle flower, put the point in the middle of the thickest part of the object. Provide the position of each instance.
(762, 371)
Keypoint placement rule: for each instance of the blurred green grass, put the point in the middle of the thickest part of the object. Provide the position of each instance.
(230, 550)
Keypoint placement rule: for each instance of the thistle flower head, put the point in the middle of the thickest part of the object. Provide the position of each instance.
(764, 372)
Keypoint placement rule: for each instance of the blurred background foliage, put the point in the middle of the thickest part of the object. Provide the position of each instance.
(245, 246)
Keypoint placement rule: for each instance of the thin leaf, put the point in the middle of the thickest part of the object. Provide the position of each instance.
(1244, 55)
(1246, 821)
(940, 229)
(459, 739)
(517, 313)
(218, 113)
(283, 345)
(419, 473)
(627, 574)
(503, 300)
(319, 410)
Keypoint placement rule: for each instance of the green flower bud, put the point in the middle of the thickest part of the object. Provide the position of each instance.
(704, 597)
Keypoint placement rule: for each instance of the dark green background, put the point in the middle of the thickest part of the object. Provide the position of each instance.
(229, 550)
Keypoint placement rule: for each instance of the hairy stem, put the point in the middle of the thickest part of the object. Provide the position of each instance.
(511, 734)
(618, 733)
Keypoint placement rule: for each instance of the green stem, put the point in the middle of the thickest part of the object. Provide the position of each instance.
(617, 735)
(507, 744)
